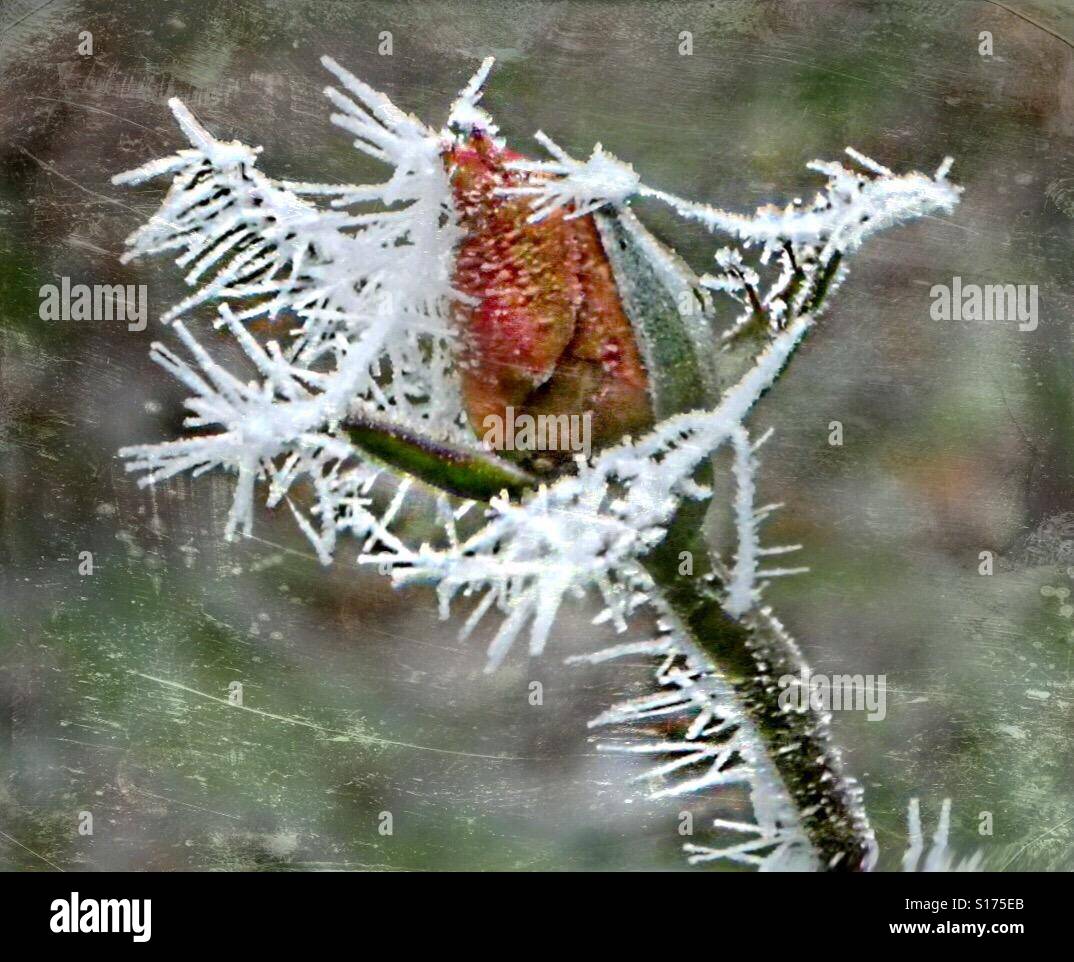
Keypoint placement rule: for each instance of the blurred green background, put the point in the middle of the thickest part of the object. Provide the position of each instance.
(959, 438)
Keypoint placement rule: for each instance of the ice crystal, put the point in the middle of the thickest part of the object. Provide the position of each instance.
(718, 747)
(939, 857)
(580, 187)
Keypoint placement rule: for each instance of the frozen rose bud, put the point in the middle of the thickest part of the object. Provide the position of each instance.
(546, 333)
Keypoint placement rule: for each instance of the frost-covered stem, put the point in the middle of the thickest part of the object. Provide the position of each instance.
(823, 283)
(752, 653)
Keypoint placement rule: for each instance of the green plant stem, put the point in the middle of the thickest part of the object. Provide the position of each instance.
(751, 654)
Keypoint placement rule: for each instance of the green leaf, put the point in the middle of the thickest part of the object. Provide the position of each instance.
(466, 472)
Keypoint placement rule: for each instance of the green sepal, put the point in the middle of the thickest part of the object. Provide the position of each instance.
(462, 471)
(669, 310)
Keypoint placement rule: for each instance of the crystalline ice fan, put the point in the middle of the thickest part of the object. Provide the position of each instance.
(472, 280)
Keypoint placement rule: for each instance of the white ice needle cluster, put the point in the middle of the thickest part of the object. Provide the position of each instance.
(579, 187)
(939, 857)
(853, 205)
(286, 414)
(718, 747)
(374, 269)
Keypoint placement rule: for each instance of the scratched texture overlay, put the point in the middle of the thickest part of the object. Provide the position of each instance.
(958, 438)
